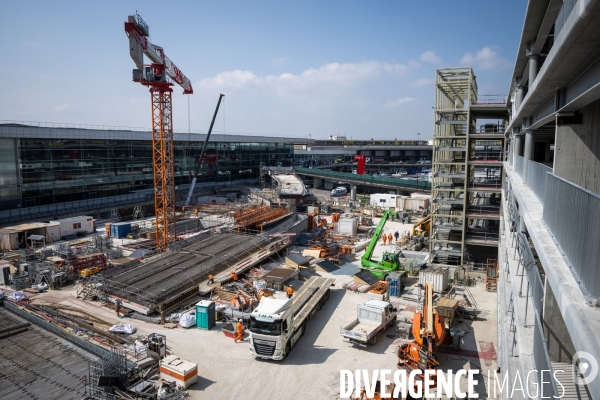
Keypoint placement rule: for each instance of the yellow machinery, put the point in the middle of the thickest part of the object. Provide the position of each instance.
(89, 271)
(421, 227)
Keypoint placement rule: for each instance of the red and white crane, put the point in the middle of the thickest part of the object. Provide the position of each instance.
(158, 77)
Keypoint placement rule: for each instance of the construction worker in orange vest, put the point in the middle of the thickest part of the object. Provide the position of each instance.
(390, 238)
(384, 237)
(240, 331)
(196, 213)
(290, 292)
(211, 280)
(233, 276)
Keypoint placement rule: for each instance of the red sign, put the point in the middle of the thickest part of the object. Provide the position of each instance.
(360, 170)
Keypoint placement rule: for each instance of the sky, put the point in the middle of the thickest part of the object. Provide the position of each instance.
(363, 69)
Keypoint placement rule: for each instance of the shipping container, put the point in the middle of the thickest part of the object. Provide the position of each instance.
(438, 276)
(120, 230)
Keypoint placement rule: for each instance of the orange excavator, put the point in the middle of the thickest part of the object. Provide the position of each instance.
(430, 332)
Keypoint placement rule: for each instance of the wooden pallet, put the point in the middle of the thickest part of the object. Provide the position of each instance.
(379, 287)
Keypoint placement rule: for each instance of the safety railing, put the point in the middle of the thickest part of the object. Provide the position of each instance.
(568, 212)
(536, 178)
(482, 237)
(563, 15)
(520, 161)
(366, 179)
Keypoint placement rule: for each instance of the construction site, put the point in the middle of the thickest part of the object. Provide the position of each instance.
(158, 301)
(163, 264)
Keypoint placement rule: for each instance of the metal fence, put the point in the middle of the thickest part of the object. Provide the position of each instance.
(563, 15)
(45, 212)
(536, 178)
(567, 213)
(519, 165)
(366, 179)
(535, 286)
(541, 359)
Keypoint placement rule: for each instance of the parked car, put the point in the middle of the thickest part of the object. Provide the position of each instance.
(339, 192)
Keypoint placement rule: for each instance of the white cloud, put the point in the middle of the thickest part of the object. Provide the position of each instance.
(336, 74)
(398, 102)
(422, 82)
(30, 43)
(62, 107)
(431, 57)
(279, 61)
(414, 64)
(485, 59)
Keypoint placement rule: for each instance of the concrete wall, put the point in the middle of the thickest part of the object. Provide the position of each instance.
(560, 346)
(577, 150)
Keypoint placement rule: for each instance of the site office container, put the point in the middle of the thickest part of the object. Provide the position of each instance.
(384, 201)
(73, 225)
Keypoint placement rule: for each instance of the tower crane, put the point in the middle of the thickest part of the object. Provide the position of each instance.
(158, 77)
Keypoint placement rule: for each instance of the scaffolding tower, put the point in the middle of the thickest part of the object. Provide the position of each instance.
(466, 166)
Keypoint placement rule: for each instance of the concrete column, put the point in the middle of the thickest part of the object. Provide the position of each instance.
(353, 192)
(520, 95)
(528, 151)
(518, 147)
(533, 68)
(317, 183)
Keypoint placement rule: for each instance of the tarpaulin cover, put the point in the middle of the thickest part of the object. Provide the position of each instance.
(123, 328)
(17, 297)
(188, 319)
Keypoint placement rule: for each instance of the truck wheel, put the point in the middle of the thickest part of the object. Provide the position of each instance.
(303, 329)
(456, 342)
(288, 348)
(326, 297)
(393, 322)
(373, 340)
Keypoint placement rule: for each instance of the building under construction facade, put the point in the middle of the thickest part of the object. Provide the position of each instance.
(549, 281)
(467, 169)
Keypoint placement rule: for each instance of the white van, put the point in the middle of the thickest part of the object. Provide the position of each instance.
(339, 192)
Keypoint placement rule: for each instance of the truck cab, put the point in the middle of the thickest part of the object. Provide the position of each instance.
(271, 327)
(277, 324)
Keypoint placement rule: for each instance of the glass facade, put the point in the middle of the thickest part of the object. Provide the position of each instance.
(10, 195)
(59, 170)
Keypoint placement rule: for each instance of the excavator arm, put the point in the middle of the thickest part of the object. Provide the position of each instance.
(377, 234)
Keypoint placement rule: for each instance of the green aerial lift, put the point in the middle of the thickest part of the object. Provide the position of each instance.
(389, 261)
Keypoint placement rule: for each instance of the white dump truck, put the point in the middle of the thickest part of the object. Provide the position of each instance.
(277, 324)
(373, 318)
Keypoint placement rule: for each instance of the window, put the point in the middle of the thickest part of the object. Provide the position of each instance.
(77, 225)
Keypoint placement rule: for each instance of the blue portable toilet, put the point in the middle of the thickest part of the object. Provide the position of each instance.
(205, 314)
